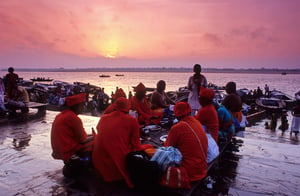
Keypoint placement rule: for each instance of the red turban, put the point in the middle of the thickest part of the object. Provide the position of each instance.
(207, 93)
(122, 104)
(75, 99)
(120, 93)
(182, 108)
(140, 87)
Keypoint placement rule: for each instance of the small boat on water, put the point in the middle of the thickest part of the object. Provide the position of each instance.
(38, 79)
(271, 104)
(104, 76)
(119, 75)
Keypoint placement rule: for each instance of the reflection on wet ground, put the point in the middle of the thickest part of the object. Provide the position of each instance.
(267, 163)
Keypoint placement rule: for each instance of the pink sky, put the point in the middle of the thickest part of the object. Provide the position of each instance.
(150, 33)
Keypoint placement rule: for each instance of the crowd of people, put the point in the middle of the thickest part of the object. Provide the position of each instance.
(196, 134)
(200, 128)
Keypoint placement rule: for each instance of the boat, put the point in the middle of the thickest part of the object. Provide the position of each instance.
(34, 110)
(271, 104)
(289, 100)
(38, 79)
(104, 76)
(119, 75)
(283, 73)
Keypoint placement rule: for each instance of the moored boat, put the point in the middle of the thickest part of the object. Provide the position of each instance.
(271, 104)
(289, 100)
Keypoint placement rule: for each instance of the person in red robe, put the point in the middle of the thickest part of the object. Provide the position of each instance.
(111, 107)
(69, 140)
(118, 134)
(139, 103)
(189, 137)
(207, 115)
(11, 80)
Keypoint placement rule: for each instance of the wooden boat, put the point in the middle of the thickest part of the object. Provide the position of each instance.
(104, 76)
(119, 75)
(34, 110)
(271, 104)
(41, 79)
(289, 100)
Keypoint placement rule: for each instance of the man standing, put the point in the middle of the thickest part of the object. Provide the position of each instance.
(194, 84)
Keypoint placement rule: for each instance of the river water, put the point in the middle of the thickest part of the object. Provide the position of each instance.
(267, 163)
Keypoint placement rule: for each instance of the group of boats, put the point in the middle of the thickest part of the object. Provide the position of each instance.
(107, 76)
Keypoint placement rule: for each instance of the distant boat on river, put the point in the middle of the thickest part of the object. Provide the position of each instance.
(38, 79)
(104, 76)
(119, 74)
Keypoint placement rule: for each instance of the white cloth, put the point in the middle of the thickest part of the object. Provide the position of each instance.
(193, 98)
(295, 127)
(213, 148)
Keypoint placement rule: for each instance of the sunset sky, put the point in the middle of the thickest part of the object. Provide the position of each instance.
(150, 33)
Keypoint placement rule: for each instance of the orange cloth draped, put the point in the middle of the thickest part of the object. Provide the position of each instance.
(208, 116)
(118, 134)
(142, 108)
(66, 135)
(194, 160)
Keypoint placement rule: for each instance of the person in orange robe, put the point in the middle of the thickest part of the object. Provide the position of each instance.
(184, 136)
(207, 115)
(111, 107)
(139, 103)
(68, 137)
(118, 134)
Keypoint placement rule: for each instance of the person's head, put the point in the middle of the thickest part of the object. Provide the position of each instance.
(11, 70)
(230, 87)
(161, 85)
(233, 103)
(140, 91)
(119, 93)
(122, 104)
(206, 96)
(197, 68)
(182, 109)
(76, 102)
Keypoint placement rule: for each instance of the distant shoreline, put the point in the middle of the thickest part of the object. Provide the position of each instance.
(204, 70)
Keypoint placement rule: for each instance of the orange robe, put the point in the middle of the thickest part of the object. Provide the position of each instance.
(194, 158)
(67, 134)
(142, 108)
(208, 116)
(118, 134)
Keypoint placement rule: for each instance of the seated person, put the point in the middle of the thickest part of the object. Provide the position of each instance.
(207, 115)
(139, 103)
(19, 99)
(111, 107)
(159, 99)
(118, 134)
(69, 140)
(231, 104)
(189, 137)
